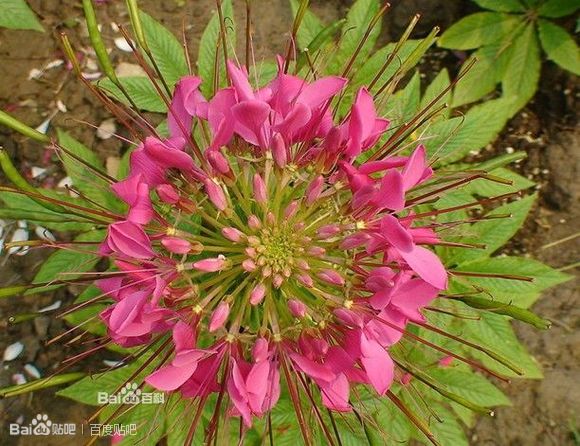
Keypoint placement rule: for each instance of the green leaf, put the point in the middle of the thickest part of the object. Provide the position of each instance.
(404, 104)
(523, 70)
(83, 178)
(451, 140)
(448, 431)
(86, 390)
(357, 23)
(20, 207)
(558, 8)
(544, 276)
(472, 386)
(208, 46)
(495, 332)
(16, 14)
(440, 83)
(482, 78)
(493, 233)
(309, 27)
(65, 262)
(501, 5)
(475, 30)
(559, 46)
(486, 188)
(167, 51)
(140, 89)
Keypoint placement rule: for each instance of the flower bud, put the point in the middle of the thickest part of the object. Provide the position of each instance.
(297, 308)
(257, 294)
(219, 316)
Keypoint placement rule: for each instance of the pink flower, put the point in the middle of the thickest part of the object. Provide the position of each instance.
(183, 365)
(128, 239)
(210, 265)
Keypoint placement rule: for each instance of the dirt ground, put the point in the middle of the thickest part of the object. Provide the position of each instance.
(543, 413)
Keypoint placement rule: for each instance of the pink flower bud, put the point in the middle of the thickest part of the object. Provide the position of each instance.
(354, 241)
(279, 152)
(331, 276)
(257, 294)
(215, 194)
(176, 245)
(167, 193)
(316, 251)
(254, 223)
(277, 280)
(348, 317)
(406, 379)
(232, 234)
(210, 265)
(270, 218)
(328, 231)
(249, 265)
(217, 161)
(260, 194)
(445, 361)
(251, 252)
(314, 189)
(297, 308)
(291, 209)
(219, 316)
(305, 280)
(302, 264)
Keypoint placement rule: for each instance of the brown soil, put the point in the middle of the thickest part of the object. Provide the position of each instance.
(543, 412)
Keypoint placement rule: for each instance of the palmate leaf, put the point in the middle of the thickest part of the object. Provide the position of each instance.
(475, 30)
(559, 46)
(489, 68)
(208, 47)
(16, 14)
(523, 70)
(356, 25)
(167, 51)
(440, 83)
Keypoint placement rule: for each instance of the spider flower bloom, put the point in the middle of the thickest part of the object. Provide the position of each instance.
(276, 252)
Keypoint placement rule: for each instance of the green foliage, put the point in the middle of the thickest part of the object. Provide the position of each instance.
(67, 264)
(139, 89)
(507, 47)
(16, 14)
(211, 49)
(167, 51)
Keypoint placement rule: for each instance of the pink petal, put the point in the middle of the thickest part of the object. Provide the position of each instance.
(321, 90)
(413, 295)
(130, 239)
(415, 167)
(240, 82)
(396, 234)
(313, 369)
(427, 265)
(391, 195)
(170, 377)
(183, 336)
(251, 118)
(179, 118)
(335, 394)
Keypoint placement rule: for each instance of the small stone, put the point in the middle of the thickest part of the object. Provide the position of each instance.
(13, 351)
(509, 150)
(107, 129)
